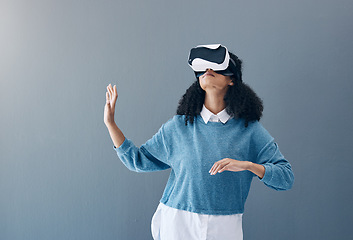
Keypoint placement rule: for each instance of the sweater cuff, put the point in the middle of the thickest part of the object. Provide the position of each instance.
(268, 173)
(122, 149)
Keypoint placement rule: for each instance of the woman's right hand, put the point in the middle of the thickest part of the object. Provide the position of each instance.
(109, 108)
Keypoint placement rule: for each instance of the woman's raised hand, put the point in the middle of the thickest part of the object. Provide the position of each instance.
(109, 109)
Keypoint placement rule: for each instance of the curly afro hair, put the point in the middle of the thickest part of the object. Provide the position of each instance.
(241, 101)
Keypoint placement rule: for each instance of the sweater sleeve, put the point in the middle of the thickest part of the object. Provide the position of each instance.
(278, 171)
(151, 156)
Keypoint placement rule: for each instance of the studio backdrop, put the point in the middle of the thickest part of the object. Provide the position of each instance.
(60, 177)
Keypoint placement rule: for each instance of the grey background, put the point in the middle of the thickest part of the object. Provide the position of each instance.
(60, 177)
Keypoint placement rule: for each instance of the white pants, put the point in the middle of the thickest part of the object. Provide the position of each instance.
(174, 224)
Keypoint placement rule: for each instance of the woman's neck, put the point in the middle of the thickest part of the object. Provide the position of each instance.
(214, 103)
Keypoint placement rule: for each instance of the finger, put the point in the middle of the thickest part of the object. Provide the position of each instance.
(109, 88)
(219, 167)
(224, 168)
(115, 92)
(107, 97)
(222, 165)
(114, 95)
(214, 170)
(110, 92)
(215, 165)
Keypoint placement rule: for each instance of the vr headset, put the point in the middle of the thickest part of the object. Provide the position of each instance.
(213, 56)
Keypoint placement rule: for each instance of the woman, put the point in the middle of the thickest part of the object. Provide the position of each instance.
(214, 146)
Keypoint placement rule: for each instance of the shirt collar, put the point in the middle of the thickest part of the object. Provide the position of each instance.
(206, 114)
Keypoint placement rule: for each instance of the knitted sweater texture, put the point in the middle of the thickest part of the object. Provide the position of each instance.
(190, 151)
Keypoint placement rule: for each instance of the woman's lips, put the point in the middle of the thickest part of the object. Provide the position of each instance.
(208, 74)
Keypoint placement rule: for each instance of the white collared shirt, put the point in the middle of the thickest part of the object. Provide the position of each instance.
(207, 115)
(173, 224)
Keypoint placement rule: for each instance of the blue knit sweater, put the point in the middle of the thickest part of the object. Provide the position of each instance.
(190, 151)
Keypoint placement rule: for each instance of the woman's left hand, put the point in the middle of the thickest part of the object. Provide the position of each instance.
(228, 164)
